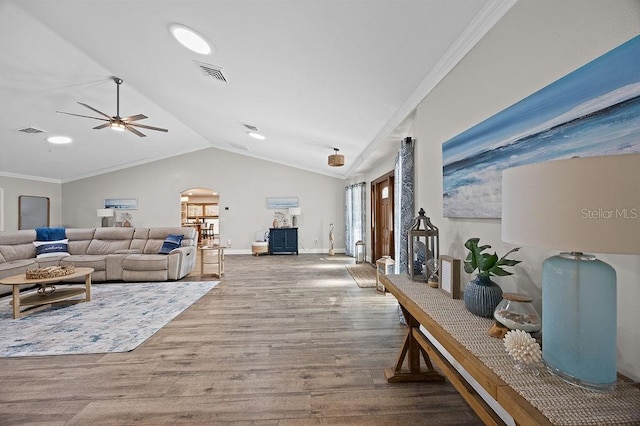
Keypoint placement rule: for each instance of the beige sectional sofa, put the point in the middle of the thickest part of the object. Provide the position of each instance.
(116, 254)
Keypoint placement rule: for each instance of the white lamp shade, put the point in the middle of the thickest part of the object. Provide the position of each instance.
(295, 211)
(589, 205)
(105, 212)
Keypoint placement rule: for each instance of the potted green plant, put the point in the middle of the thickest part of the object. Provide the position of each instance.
(482, 295)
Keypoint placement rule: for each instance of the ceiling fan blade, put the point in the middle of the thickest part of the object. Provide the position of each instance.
(102, 126)
(144, 126)
(98, 111)
(134, 117)
(134, 131)
(85, 116)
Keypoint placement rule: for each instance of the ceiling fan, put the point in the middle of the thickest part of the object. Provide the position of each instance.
(116, 122)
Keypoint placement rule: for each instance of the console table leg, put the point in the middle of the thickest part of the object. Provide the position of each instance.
(412, 348)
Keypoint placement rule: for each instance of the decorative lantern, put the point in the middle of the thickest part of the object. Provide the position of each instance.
(424, 249)
(361, 251)
(384, 266)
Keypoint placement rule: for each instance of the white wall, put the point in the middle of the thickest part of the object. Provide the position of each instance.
(535, 44)
(15, 187)
(242, 182)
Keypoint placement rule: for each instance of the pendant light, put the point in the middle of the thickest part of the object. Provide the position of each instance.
(336, 160)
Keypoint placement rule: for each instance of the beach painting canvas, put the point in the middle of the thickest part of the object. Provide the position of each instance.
(593, 111)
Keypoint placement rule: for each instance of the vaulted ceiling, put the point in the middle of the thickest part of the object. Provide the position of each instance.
(310, 75)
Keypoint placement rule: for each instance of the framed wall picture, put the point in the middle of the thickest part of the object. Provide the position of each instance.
(282, 202)
(121, 203)
(450, 276)
(33, 212)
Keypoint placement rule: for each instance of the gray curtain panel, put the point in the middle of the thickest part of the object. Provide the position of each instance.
(404, 203)
(355, 216)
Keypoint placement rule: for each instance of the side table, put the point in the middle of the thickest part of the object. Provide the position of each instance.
(213, 255)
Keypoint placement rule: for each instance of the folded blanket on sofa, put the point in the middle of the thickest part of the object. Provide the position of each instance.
(50, 234)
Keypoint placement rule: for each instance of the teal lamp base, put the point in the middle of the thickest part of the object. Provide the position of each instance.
(579, 320)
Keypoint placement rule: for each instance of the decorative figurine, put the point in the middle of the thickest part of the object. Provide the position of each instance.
(523, 348)
(331, 239)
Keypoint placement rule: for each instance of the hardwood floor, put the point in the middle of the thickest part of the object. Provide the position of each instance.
(282, 340)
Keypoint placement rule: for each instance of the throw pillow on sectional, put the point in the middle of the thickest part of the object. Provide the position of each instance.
(172, 241)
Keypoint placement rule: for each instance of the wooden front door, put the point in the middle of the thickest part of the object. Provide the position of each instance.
(382, 217)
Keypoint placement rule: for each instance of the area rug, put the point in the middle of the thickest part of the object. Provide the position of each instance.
(364, 274)
(118, 318)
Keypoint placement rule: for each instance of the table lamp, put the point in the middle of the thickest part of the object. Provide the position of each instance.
(105, 214)
(580, 205)
(293, 212)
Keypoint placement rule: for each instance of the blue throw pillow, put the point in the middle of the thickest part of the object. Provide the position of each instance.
(50, 234)
(172, 241)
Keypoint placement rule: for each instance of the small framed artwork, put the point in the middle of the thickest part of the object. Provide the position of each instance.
(450, 276)
(121, 203)
(282, 202)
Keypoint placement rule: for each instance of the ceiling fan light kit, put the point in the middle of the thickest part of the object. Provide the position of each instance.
(118, 127)
(336, 160)
(116, 122)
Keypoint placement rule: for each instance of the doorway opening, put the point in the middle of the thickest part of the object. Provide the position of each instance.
(199, 208)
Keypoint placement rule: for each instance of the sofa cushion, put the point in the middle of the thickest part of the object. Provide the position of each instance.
(16, 267)
(108, 240)
(171, 242)
(15, 245)
(50, 234)
(79, 239)
(96, 261)
(145, 262)
(158, 235)
(51, 248)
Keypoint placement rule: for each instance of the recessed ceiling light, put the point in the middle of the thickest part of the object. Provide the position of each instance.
(59, 139)
(256, 135)
(190, 39)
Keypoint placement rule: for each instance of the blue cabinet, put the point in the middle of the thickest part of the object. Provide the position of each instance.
(283, 240)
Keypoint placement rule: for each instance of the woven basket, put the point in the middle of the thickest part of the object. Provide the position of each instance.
(50, 272)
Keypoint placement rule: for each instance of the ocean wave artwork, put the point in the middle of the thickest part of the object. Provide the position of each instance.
(593, 111)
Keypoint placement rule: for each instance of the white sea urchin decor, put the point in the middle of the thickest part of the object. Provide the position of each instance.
(522, 347)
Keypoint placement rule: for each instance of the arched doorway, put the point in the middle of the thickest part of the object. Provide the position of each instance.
(200, 209)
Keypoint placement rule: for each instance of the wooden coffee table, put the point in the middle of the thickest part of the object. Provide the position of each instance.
(39, 299)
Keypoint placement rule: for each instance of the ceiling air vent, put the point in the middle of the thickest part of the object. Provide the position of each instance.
(212, 71)
(30, 130)
(251, 128)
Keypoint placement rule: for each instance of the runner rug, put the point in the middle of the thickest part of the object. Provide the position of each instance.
(364, 274)
(118, 318)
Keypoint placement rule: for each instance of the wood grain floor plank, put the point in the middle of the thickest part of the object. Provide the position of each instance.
(282, 340)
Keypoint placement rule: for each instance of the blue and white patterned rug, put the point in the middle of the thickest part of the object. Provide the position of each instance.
(118, 318)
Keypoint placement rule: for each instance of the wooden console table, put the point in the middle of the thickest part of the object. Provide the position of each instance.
(528, 398)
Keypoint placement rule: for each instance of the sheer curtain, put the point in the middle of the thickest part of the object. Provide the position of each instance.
(404, 203)
(355, 211)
